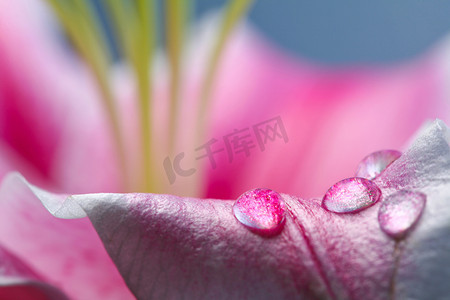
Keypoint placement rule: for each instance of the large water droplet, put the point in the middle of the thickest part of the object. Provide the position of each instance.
(400, 211)
(373, 164)
(351, 195)
(262, 210)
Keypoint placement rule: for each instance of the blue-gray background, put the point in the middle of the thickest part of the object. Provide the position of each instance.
(342, 31)
(349, 31)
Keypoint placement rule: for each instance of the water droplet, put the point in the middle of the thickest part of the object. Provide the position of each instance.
(373, 164)
(351, 195)
(262, 210)
(400, 211)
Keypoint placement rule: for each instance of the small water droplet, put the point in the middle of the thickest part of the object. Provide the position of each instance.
(375, 163)
(262, 210)
(400, 211)
(351, 195)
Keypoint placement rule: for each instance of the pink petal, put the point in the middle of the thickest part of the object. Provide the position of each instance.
(67, 252)
(50, 105)
(17, 281)
(11, 161)
(171, 247)
(196, 247)
(425, 167)
(30, 88)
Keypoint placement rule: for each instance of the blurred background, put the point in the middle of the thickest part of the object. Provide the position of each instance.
(353, 31)
(387, 104)
(337, 33)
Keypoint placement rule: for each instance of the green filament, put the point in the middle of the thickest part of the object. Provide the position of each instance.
(145, 39)
(176, 20)
(77, 18)
(136, 27)
(124, 21)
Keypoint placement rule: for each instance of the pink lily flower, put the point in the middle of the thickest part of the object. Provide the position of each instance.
(119, 246)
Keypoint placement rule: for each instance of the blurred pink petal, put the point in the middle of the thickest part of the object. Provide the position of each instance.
(333, 117)
(11, 161)
(50, 104)
(27, 87)
(17, 281)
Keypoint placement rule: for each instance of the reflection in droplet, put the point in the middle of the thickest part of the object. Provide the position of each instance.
(351, 195)
(262, 210)
(375, 163)
(400, 211)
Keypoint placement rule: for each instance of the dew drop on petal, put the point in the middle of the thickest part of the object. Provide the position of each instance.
(373, 164)
(400, 211)
(262, 210)
(351, 195)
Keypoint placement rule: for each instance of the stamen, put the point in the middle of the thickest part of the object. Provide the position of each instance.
(145, 50)
(136, 27)
(177, 13)
(135, 24)
(125, 27)
(79, 22)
